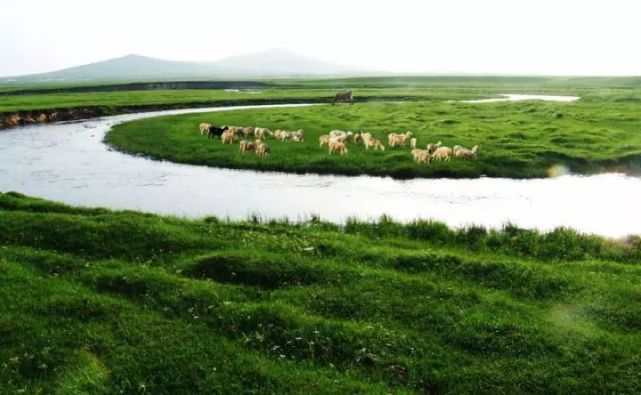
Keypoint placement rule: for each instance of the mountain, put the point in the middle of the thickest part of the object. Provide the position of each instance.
(270, 63)
(281, 62)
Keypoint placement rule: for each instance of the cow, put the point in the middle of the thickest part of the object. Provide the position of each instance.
(344, 97)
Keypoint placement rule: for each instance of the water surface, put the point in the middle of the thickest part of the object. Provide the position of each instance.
(521, 97)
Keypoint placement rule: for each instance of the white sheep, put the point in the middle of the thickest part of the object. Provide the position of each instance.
(442, 153)
(394, 139)
(204, 128)
(340, 133)
(432, 147)
(375, 143)
(323, 140)
(261, 133)
(248, 131)
(420, 155)
(464, 153)
(297, 136)
(246, 146)
(227, 137)
(337, 146)
(262, 149)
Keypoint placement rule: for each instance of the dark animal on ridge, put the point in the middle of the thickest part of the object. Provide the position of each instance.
(344, 97)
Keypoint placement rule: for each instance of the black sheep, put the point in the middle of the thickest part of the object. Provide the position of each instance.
(215, 131)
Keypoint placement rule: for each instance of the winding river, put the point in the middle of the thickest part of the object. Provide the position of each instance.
(68, 162)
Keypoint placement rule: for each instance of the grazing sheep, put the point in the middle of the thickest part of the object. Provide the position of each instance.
(464, 153)
(337, 146)
(420, 156)
(323, 140)
(204, 128)
(341, 134)
(358, 137)
(246, 146)
(248, 131)
(365, 137)
(375, 143)
(341, 139)
(413, 143)
(297, 136)
(261, 133)
(284, 135)
(362, 136)
(214, 131)
(432, 147)
(276, 134)
(262, 149)
(444, 153)
(394, 139)
(235, 130)
(228, 137)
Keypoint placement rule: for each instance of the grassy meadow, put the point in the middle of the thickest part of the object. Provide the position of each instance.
(516, 139)
(17, 96)
(97, 301)
(94, 301)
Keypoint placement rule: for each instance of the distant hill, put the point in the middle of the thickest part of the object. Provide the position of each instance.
(271, 63)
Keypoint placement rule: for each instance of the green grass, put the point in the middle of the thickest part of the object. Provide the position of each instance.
(520, 140)
(111, 101)
(366, 88)
(95, 301)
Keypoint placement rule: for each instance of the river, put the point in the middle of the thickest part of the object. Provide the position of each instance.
(69, 162)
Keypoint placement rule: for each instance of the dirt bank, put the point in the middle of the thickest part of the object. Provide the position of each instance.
(20, 118)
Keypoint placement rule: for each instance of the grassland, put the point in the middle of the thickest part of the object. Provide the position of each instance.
(95, 301)
(370, 88)
(110, 101)
(519, 140)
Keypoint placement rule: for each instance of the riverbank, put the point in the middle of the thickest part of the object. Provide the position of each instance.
(313, 307)
(34, 117)
(24, 108)
(532, 139)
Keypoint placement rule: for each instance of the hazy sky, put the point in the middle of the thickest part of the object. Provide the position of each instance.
(489, 36)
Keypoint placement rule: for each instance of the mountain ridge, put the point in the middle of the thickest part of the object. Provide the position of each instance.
(274, 63)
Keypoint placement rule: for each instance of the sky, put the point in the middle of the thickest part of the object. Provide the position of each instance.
(559, 37)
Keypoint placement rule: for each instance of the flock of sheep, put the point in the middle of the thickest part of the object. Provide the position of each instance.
(336, 142)
(230, 134)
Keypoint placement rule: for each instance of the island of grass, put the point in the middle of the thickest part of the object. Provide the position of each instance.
(516, 139)
(97, 301)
